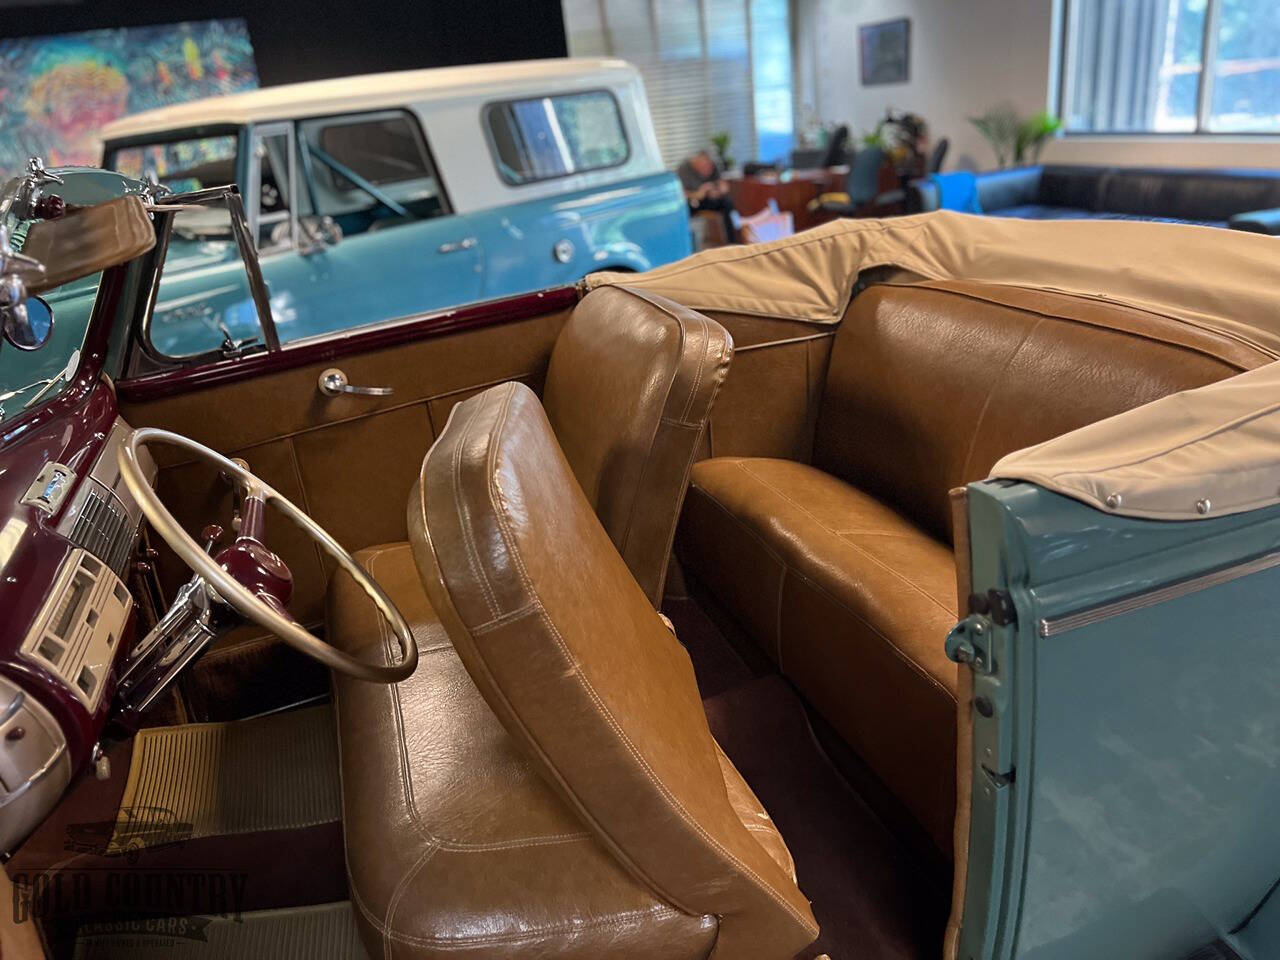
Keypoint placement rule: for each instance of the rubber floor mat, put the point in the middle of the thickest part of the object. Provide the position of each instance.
(276, 772)
(325, 932)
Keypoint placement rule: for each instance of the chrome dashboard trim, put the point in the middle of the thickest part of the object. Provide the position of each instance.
(1052, 627)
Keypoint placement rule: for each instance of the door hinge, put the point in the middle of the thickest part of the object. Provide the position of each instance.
(969, 642)
(998, 779)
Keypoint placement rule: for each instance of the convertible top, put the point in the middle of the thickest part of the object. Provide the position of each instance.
(1219, 280)
(1193, 455)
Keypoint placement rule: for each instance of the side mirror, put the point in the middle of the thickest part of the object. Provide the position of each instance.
(27, 321)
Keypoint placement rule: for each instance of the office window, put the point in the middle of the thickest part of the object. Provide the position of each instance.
(1171, 66)
(547, 137)
(709, 67)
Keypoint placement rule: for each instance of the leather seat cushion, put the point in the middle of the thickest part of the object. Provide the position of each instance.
(566, 648)
(455, 845)
(851, 599)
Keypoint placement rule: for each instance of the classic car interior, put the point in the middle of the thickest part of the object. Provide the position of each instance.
(602, 627)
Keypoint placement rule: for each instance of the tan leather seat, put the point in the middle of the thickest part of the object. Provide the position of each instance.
(863, 598)
(842, 570)
(626, 833)
(631, 383)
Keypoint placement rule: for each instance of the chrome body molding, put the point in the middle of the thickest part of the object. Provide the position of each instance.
(1074, 621)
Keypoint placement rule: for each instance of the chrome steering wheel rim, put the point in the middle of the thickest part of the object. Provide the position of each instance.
(235, 594)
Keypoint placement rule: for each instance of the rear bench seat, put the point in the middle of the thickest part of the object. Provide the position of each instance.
(842, 571)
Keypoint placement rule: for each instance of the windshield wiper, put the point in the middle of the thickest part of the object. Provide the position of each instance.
(48, 384)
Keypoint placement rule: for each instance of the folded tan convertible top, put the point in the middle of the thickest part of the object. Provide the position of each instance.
(1193, 455)
(1201, 453)
(1221, 280)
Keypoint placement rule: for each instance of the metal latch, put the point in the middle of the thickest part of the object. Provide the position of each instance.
(970, 642)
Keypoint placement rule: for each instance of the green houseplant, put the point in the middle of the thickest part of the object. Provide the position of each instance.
(1013, 138)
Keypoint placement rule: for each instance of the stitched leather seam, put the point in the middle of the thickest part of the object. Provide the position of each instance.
(866, 553)
(477, 569)
(701, 367)
(551, 840)
(625, 538)
(616, 920)
(662, 787)
(399, 893)
(490, 625)
(498, 504)
(452, 844)
(787, 568)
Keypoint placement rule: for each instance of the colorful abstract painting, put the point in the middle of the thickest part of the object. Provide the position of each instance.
(57, 92)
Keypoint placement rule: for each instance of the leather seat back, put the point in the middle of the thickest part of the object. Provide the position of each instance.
(628, 393)
(930, 384)
(569, 653)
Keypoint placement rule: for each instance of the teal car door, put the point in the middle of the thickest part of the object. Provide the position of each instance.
(1125, 647)
(370, 236)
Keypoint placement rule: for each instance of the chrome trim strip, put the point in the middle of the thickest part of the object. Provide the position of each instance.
(1140, 601)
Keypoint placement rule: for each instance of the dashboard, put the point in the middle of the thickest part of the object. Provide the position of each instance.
(68, 534)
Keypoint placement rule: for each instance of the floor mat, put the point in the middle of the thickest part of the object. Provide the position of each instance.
(218, 779)
(325, 932)
(872, 898)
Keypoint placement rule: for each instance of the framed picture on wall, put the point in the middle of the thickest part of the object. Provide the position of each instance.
(885, 49)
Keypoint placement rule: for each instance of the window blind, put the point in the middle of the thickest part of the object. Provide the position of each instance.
(696, 60)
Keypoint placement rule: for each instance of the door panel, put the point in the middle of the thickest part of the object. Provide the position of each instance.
(1127, 769)
(349, 461)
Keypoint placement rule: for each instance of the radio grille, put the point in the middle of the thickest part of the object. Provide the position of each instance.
(103, 528)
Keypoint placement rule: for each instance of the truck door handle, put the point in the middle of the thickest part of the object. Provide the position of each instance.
(333, 383)
(466, 243)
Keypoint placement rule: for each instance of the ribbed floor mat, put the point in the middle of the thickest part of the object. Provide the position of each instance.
(270, 773)
(326, 932)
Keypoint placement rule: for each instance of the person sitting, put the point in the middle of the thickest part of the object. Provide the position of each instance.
(706, 190)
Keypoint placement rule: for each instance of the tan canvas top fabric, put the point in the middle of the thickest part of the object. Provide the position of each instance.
(1193, 455)
(1222, 280)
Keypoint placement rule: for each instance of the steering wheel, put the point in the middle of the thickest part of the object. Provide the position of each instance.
(257, 565)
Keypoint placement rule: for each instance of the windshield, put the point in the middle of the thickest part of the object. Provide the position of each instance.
(180, 165)
(29, 376)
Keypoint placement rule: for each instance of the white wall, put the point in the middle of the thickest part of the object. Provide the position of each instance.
(967, 55)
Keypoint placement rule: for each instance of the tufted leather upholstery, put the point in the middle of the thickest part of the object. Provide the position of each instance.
(842, 570)
(628, 392)
(568, 652)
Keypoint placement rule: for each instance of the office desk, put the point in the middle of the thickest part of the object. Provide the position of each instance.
(791, 190)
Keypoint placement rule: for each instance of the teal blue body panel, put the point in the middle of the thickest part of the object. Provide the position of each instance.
(1143, 749)
(400, 271)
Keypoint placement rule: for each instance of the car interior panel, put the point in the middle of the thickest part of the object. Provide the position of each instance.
(697, 613)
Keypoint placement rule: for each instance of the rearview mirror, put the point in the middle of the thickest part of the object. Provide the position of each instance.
(28, 323)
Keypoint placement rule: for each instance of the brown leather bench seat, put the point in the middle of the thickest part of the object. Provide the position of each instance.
(842, 570)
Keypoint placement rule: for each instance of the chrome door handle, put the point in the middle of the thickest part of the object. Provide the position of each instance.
(333, 383)
(466, 243)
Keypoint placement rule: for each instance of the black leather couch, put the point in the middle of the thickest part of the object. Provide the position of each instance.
(1240, 199)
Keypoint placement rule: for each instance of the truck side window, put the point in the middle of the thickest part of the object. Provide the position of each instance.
(547, 137)
(371, 171)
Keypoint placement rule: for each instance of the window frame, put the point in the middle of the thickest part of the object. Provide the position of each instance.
(307, 164)
(487, 129)
(1204, 86)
